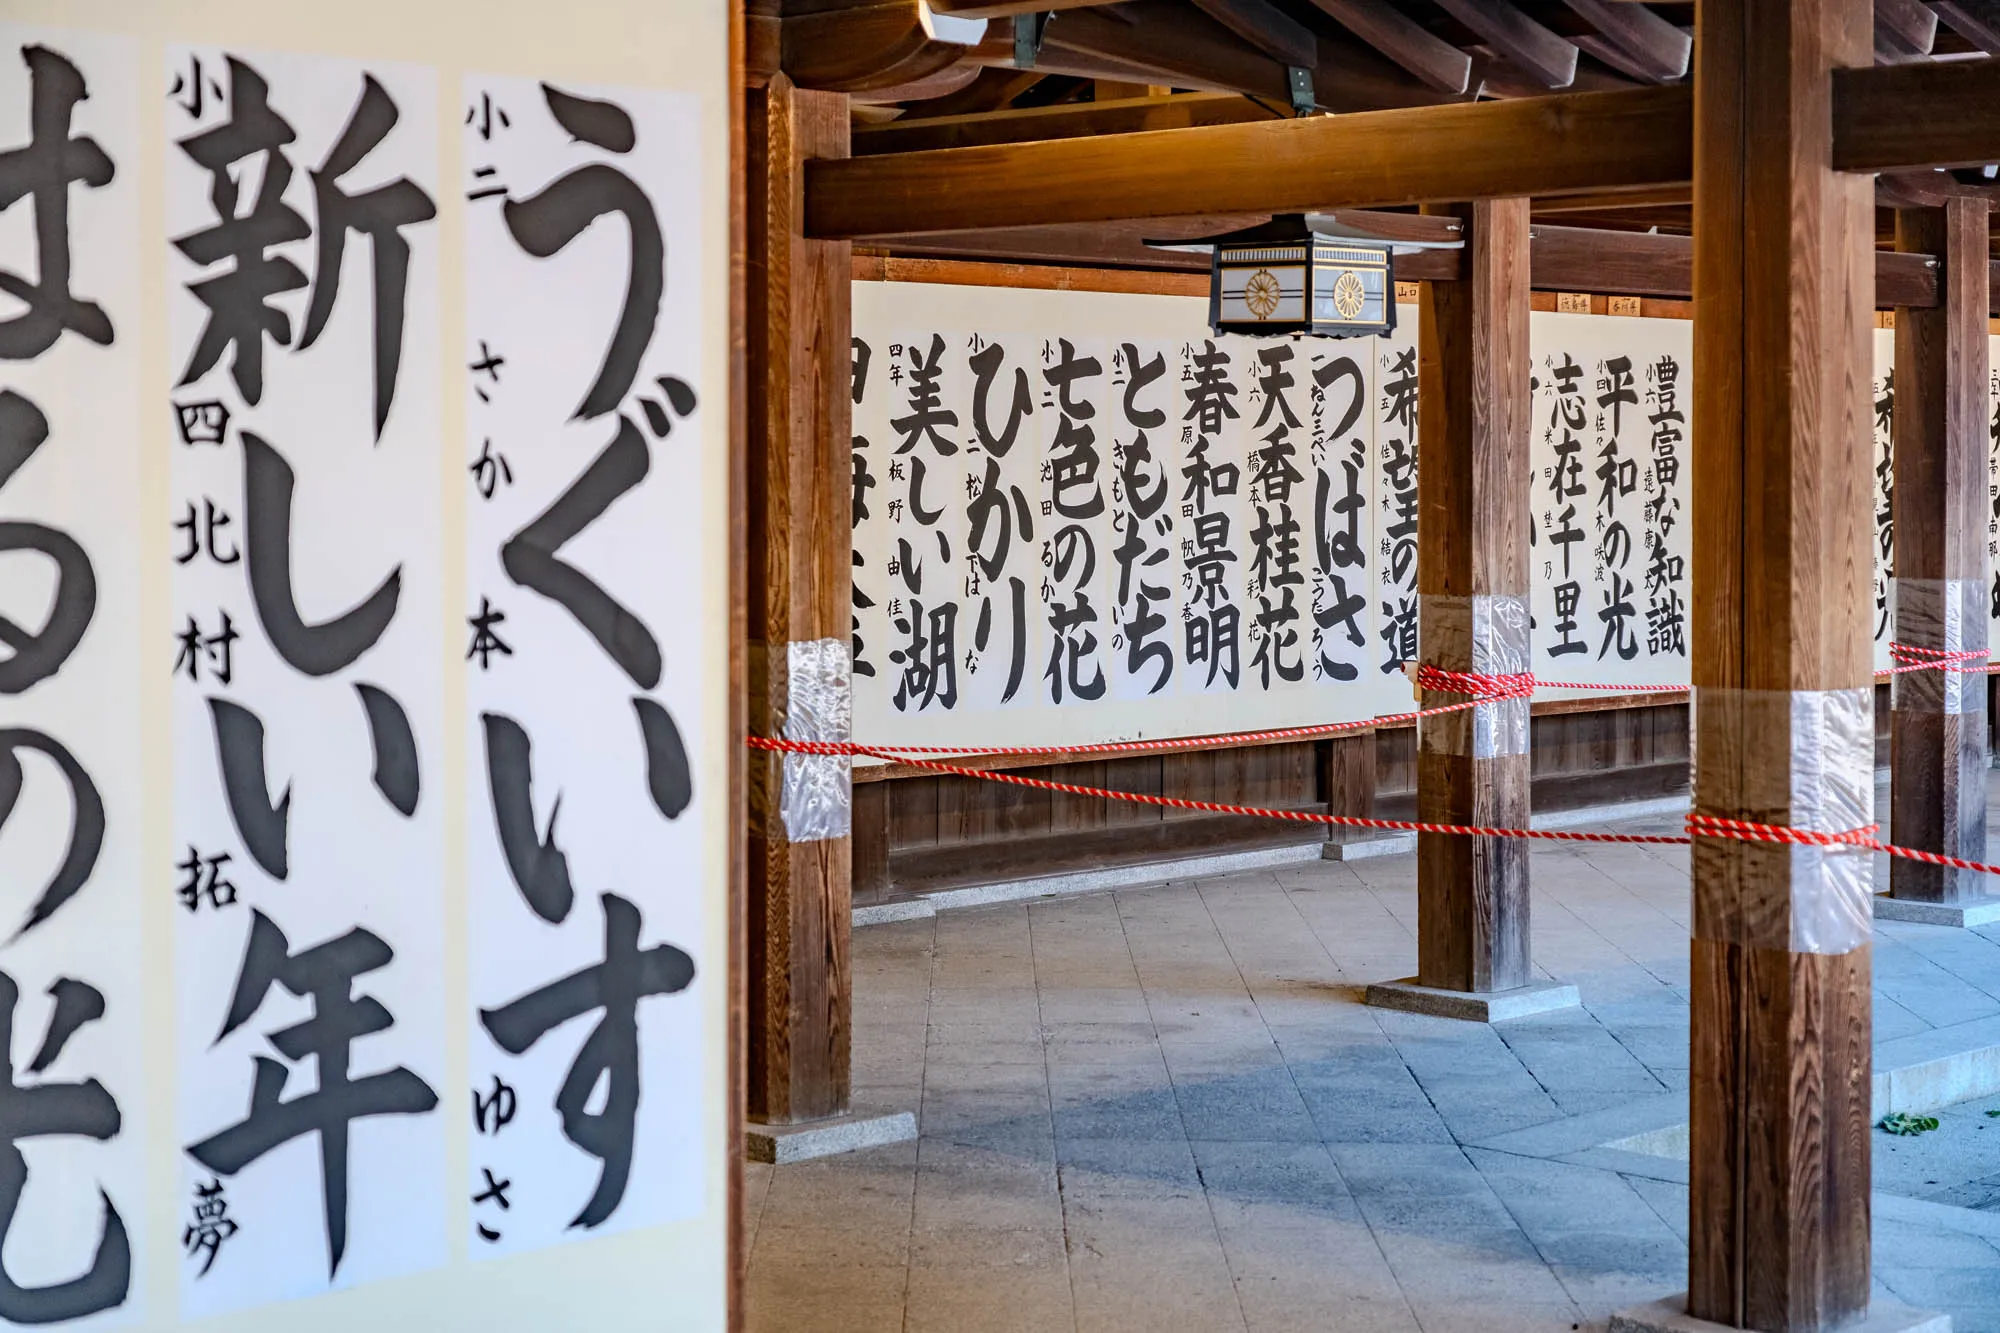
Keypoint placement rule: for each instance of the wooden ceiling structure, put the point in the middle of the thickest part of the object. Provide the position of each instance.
(983, 73)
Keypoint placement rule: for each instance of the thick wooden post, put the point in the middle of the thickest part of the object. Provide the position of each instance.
(799, 470)
(1938, 764)
(1780, 1043)
(1472, 580)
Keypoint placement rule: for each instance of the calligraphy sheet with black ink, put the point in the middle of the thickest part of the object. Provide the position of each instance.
(307, 657)
(585, 576)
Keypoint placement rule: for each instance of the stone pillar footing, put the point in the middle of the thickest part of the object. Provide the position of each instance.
(1537, 997)
(808, 1139)
(1971, 912)
(1671, 1316)
(1366, 848)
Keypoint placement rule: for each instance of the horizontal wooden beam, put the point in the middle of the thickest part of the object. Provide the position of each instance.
(1941, 114)
(1561, 259)
(1572, 143)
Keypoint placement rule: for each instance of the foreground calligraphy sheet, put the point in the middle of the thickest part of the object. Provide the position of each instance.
(308, 659)
(73, 1200)
(585, 578)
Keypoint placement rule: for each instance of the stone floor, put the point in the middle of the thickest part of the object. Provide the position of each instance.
(1166, 1109)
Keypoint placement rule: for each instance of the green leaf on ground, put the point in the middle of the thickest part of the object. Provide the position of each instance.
(1903, 1123)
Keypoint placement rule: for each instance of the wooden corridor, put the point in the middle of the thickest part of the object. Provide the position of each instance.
(1786, 166)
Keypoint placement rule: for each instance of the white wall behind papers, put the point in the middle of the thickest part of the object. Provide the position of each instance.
(1611, 503)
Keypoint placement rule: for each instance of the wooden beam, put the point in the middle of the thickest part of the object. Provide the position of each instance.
(1070, 121)
(1524, 43)
(798, 466)
(1590, 201)
(1268, 28)
(942, 83)
(1472, 584)
(1941, 114)
(1978, 21)
(993, 90)
(1650, 47)
(1938, 763)
(1568, 143)
(1435, 61)
(1781, 621)
(863, 46)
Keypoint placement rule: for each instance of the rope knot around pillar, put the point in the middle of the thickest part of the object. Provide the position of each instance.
(1480, 688)
(1746, 830)
(1912, 658)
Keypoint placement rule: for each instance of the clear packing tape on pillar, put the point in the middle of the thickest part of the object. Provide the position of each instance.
(1824, 794)
(816, 800)
(1491, 632)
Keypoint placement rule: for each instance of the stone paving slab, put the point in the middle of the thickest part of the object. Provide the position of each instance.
(1166, 1107)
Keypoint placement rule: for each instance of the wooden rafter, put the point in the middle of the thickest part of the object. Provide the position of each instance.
(1566, 143)
(1978, 21)
(1127, 116)
(993, 9)
(864, 46)
(1634, 40)
(1913, 23)
(1268, 28)
(950, 79)
(1520, 40)
(1437, 62)
(1182, 46)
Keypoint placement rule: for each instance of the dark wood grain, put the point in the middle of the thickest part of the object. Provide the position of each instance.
(1380, 24)
(1069, 121)
(798, 589)
(1472, 540)
(1781, 573)
(1938, 763)
(1943, 114)
(1639, 42)
(1524, 43)
(1563, 144)
(1268, 28)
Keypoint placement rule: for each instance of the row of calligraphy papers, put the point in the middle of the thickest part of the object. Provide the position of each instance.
(1051, 523)
(1884, 622)
(306, 576)
(1083, 531)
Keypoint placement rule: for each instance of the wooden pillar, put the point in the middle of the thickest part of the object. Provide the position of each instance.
(1472, 580)
(800, 990)
(1938, 754)
(1347, 777)
(1780, 1043)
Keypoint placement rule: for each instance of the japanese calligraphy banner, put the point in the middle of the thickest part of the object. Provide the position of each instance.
(364, 795)
(1082, 517)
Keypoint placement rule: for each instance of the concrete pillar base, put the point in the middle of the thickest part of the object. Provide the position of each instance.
(1671, 1316)
(808, 1139)
(1976, 912)
(1537, 997)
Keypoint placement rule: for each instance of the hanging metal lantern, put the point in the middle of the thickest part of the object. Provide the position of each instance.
(1299, 274)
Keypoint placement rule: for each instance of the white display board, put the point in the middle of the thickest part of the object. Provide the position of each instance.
(359, 375)
(1076, 513)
